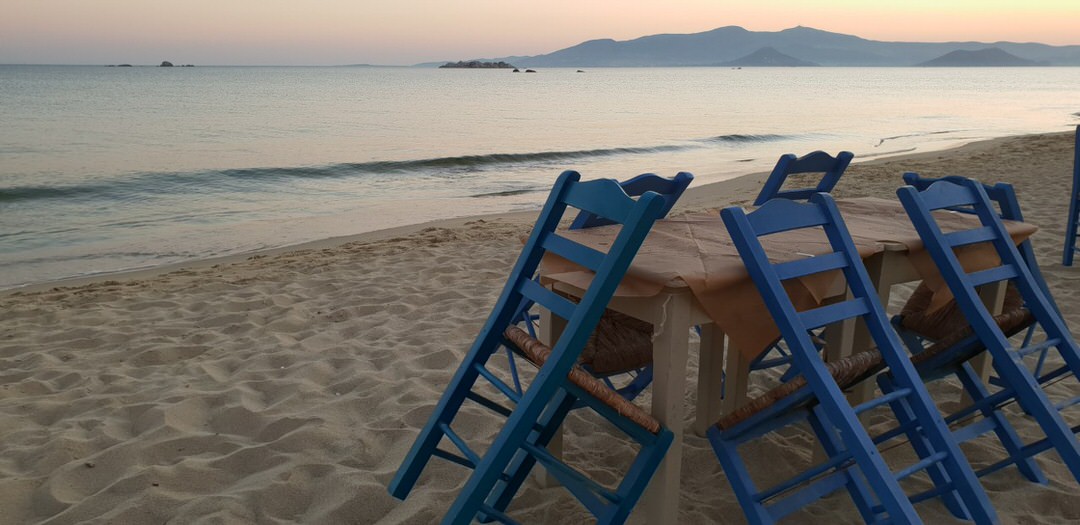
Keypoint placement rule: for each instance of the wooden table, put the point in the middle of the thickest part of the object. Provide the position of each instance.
(890, 247)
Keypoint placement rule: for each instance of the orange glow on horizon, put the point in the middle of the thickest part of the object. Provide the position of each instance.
(411, 31)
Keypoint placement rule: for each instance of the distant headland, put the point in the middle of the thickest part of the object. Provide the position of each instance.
(476, 64)
(798, 46)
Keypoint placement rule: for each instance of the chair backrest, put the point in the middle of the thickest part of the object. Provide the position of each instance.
(779, 215)
(603, 198)
(670, 189)
(967, 193)
(1004, 196)
(816, 162)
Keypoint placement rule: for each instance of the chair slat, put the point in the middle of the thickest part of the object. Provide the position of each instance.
(830, 167)
(810, 265)
(836, 425)
(601, 197)
(832, 313)
(966, 237)
(558, 304)
(993, 275)
(783, 215)
(572, 251)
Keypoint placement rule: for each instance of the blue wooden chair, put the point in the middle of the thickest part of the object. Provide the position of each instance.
(917, 326)
(991, 334)
(817, 394)
(621, 345)
(816, 162)
(1072, 224)
(831, 168)
(532, 417)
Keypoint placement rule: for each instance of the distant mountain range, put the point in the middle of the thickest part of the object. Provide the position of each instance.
(735, 46)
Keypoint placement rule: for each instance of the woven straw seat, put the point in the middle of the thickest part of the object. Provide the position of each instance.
(846, 372)
(619, 344)
(947, 326)
(537, 353)
(943, 322)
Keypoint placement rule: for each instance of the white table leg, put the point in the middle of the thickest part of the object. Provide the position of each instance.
(736, 379)
(670, 349)
(710, 390)
(993, 296)
(551, 327)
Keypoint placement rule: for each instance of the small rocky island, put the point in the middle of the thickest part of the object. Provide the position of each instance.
(476, 64)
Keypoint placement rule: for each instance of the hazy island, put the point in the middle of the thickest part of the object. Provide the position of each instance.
(476, 64)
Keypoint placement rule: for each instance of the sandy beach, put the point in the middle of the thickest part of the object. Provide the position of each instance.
(287, 386)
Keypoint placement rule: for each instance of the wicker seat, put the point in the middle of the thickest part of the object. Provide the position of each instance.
(537, 353)
(946, 327)
(620, 344)
(846, 372)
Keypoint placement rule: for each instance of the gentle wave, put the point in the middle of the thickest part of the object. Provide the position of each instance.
(171, 183)
(926, 134)
(740, 138)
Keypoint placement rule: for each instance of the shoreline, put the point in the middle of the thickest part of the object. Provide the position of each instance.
(696, 198)
(288, 387)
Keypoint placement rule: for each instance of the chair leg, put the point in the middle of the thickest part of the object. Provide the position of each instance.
(1034, 400)
(923, 449)
(739, 478)
(939, 439)
(1004, 431)
(523, 462)
(826, 435)
(428, 440)
(1071, 227)
(878, 475)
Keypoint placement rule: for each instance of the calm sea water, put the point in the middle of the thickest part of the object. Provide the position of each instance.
(105, 169)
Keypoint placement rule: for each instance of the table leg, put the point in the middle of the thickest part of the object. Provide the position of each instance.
(881, 269)
(551, 327)
(710, 391)
(993, 296)
(670, 349)
(736, 379)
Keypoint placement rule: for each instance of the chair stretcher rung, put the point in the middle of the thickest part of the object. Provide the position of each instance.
(926, 462)
(459, 443)
(833, 463)
(562, 470)
(1024, 352)
(491, 512)
(1067, 403)
(488, 404)
(992, 275)
(965, 237)
(509, 392)
(453, 458)
(876, 402)
(821, 487)
(933, 493)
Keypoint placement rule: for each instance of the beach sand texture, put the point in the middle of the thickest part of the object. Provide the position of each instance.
(288, 387)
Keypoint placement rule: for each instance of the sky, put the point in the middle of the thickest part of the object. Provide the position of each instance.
(403, 32)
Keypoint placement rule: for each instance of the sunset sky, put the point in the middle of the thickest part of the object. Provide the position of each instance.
(326, 32)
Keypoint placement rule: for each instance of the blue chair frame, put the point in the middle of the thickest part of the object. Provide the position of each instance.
(1072, 224)
(538, 412)
(1004, 196)
(815, 162)
(670, 190)
(1019, 382)
(854, 461)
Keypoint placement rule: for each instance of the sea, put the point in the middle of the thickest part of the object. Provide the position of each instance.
(106, 169)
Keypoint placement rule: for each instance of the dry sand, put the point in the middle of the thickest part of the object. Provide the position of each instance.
(287, 387)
